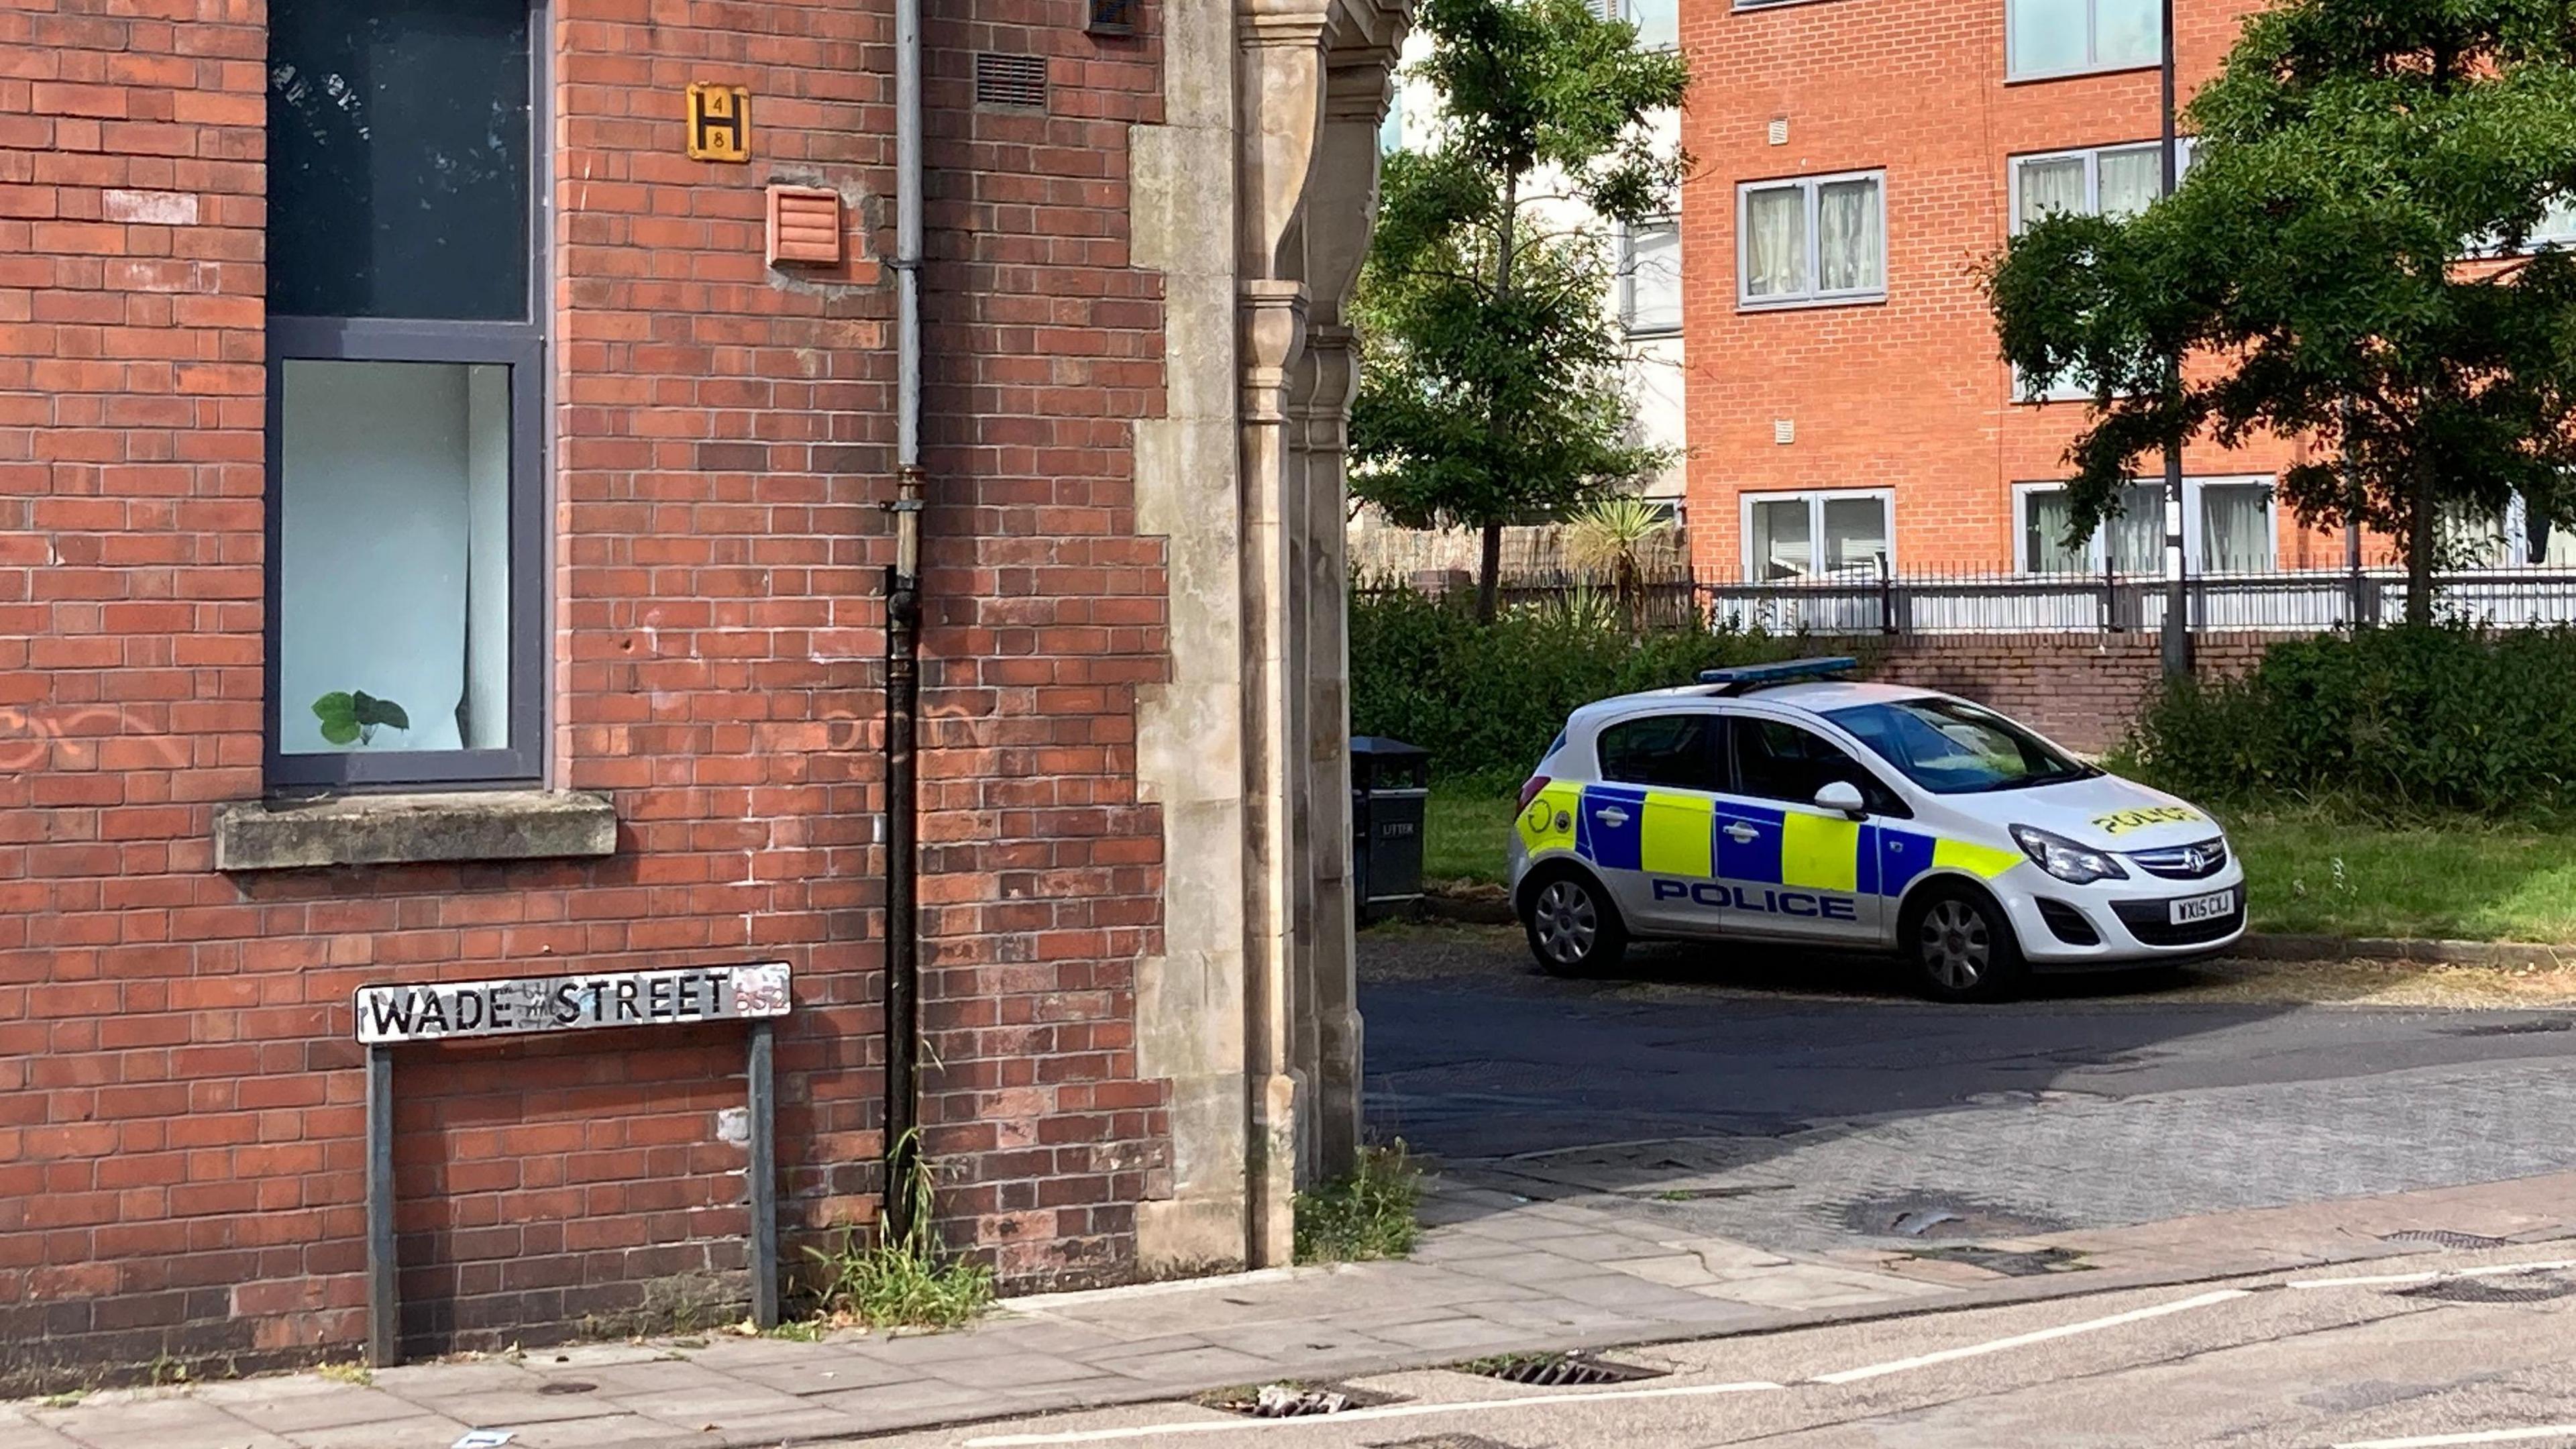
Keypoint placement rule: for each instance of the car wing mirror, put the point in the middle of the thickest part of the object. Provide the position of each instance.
(1842, 796)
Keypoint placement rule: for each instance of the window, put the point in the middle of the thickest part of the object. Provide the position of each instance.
(1792, 536)
(1816, 239)
(2227, 528)
(1658, 22)
(2114, 181)
(1650, 276)
(1951, 747)
(1779, 761)
(1673, 750)
(405, 405)
(2068, 37)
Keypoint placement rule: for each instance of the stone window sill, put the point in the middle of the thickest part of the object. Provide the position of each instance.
(407, 829)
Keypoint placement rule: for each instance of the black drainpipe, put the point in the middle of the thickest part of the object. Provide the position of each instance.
(903, 656)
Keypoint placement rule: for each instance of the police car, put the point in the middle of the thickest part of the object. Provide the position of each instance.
(1781, 803)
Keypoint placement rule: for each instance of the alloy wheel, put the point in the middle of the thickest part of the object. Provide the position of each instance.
(1956, 948)
(1565, 922)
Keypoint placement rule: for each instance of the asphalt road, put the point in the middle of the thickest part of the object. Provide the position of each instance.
(1776, 1103)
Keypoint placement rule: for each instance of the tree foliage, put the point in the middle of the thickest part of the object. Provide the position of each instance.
(2345, 260)
(1491, 381)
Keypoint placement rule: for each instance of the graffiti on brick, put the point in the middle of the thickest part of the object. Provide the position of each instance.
(444, 1011)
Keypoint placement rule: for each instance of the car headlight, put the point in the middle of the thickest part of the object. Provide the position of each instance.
(2063, 858)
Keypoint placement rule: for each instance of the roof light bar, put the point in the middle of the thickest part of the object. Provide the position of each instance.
(1742, 677)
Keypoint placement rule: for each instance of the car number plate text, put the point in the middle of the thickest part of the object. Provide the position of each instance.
(2203, 908)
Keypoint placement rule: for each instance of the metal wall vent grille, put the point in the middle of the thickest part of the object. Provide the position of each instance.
(1016, 81)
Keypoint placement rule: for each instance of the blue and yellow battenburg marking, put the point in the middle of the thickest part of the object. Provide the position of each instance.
(1690, 843)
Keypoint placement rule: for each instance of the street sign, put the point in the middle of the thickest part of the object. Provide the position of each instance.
(536, 1005)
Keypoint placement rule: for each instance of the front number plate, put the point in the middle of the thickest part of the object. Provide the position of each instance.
(2203, 908)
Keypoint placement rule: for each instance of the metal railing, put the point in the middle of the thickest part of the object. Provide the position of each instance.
(2293, 601)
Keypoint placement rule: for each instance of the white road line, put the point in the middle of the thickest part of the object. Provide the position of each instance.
(1352, 1416)
(2390, 1280)
(2491, 1436)
(2024, 1340)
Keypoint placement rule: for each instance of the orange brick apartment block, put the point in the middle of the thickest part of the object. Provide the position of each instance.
(1850, 399)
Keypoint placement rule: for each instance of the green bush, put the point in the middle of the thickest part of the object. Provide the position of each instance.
(1485, 699)
(2443, 719)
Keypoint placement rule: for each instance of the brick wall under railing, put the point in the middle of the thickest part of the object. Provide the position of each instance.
(2081, 690)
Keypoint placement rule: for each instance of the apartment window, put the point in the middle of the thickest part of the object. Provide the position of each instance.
(2227, 528)
(1793, 536)
(1650, 276)
(2069, 37)
(2512, 539)
(1817, 239)
(1658, 22)
(2114, 181)
(405, 406)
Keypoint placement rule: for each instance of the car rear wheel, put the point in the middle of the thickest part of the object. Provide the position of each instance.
(1961, 947)
(1573, 928)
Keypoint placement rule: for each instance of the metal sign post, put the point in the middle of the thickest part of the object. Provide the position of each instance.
(536, 1006)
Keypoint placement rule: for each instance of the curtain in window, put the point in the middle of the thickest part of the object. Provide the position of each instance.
(2047, 35)
(1847, 236)
(2127, 32)
(1781, 549)
(2051, 187)
(1775, 242)
(1855, 532)
(2131, 179)
(2045, 512)
(2236, 528)
(2137, 535)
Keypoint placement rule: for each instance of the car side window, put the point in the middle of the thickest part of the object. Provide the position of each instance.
(1776, 761)
(1673, 750)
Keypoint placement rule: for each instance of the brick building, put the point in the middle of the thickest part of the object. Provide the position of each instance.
(443, 539)
(1857, 160)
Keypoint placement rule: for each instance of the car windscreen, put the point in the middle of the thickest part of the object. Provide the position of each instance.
(1951, 747)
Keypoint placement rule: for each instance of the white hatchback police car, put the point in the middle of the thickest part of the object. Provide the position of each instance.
(1778, 803)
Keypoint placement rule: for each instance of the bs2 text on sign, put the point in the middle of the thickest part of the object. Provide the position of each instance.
(538, 1004)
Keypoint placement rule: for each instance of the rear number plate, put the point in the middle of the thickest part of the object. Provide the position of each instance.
(2203, 908)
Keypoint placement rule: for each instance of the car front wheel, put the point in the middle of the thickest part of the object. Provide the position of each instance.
(1573, 928)
(1962, 948)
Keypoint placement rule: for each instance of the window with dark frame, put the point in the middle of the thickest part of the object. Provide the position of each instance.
(406, 394)
(1677, 751)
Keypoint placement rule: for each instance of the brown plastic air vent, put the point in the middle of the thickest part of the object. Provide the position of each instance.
(1016, 81)
(804, 226)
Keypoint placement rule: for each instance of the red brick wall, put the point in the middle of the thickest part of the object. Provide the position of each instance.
(2082, 690)
(180, 1101)
(1908, 393)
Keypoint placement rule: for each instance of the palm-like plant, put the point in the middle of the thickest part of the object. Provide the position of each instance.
(1611, 538)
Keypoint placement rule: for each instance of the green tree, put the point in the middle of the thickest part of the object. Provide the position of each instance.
(2345, 260)
(1491, 375)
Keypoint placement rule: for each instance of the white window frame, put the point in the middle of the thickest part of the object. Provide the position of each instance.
(2013, 73)
(2194, 560)
(1812, 187)
(1627, 10)
(1628, 279)
(1815, 499)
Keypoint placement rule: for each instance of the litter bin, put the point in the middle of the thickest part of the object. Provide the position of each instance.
(1390, 787)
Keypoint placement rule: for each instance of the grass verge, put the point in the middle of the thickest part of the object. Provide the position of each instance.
(1369, 1214)
(2308, 870)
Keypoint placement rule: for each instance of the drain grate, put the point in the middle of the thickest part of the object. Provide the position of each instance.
(567, 1386)
(1709, 1194)
(1558, 1370)
(1444, 1441)
(2009, 1262)
(2445, 1238)
(1938, 1215)
(1292, 1400)
(2489, 1290)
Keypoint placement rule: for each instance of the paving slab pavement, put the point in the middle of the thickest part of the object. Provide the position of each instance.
(1504, 1272)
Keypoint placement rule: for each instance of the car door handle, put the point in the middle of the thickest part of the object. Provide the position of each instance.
(1611, 815)
(1741, 833)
